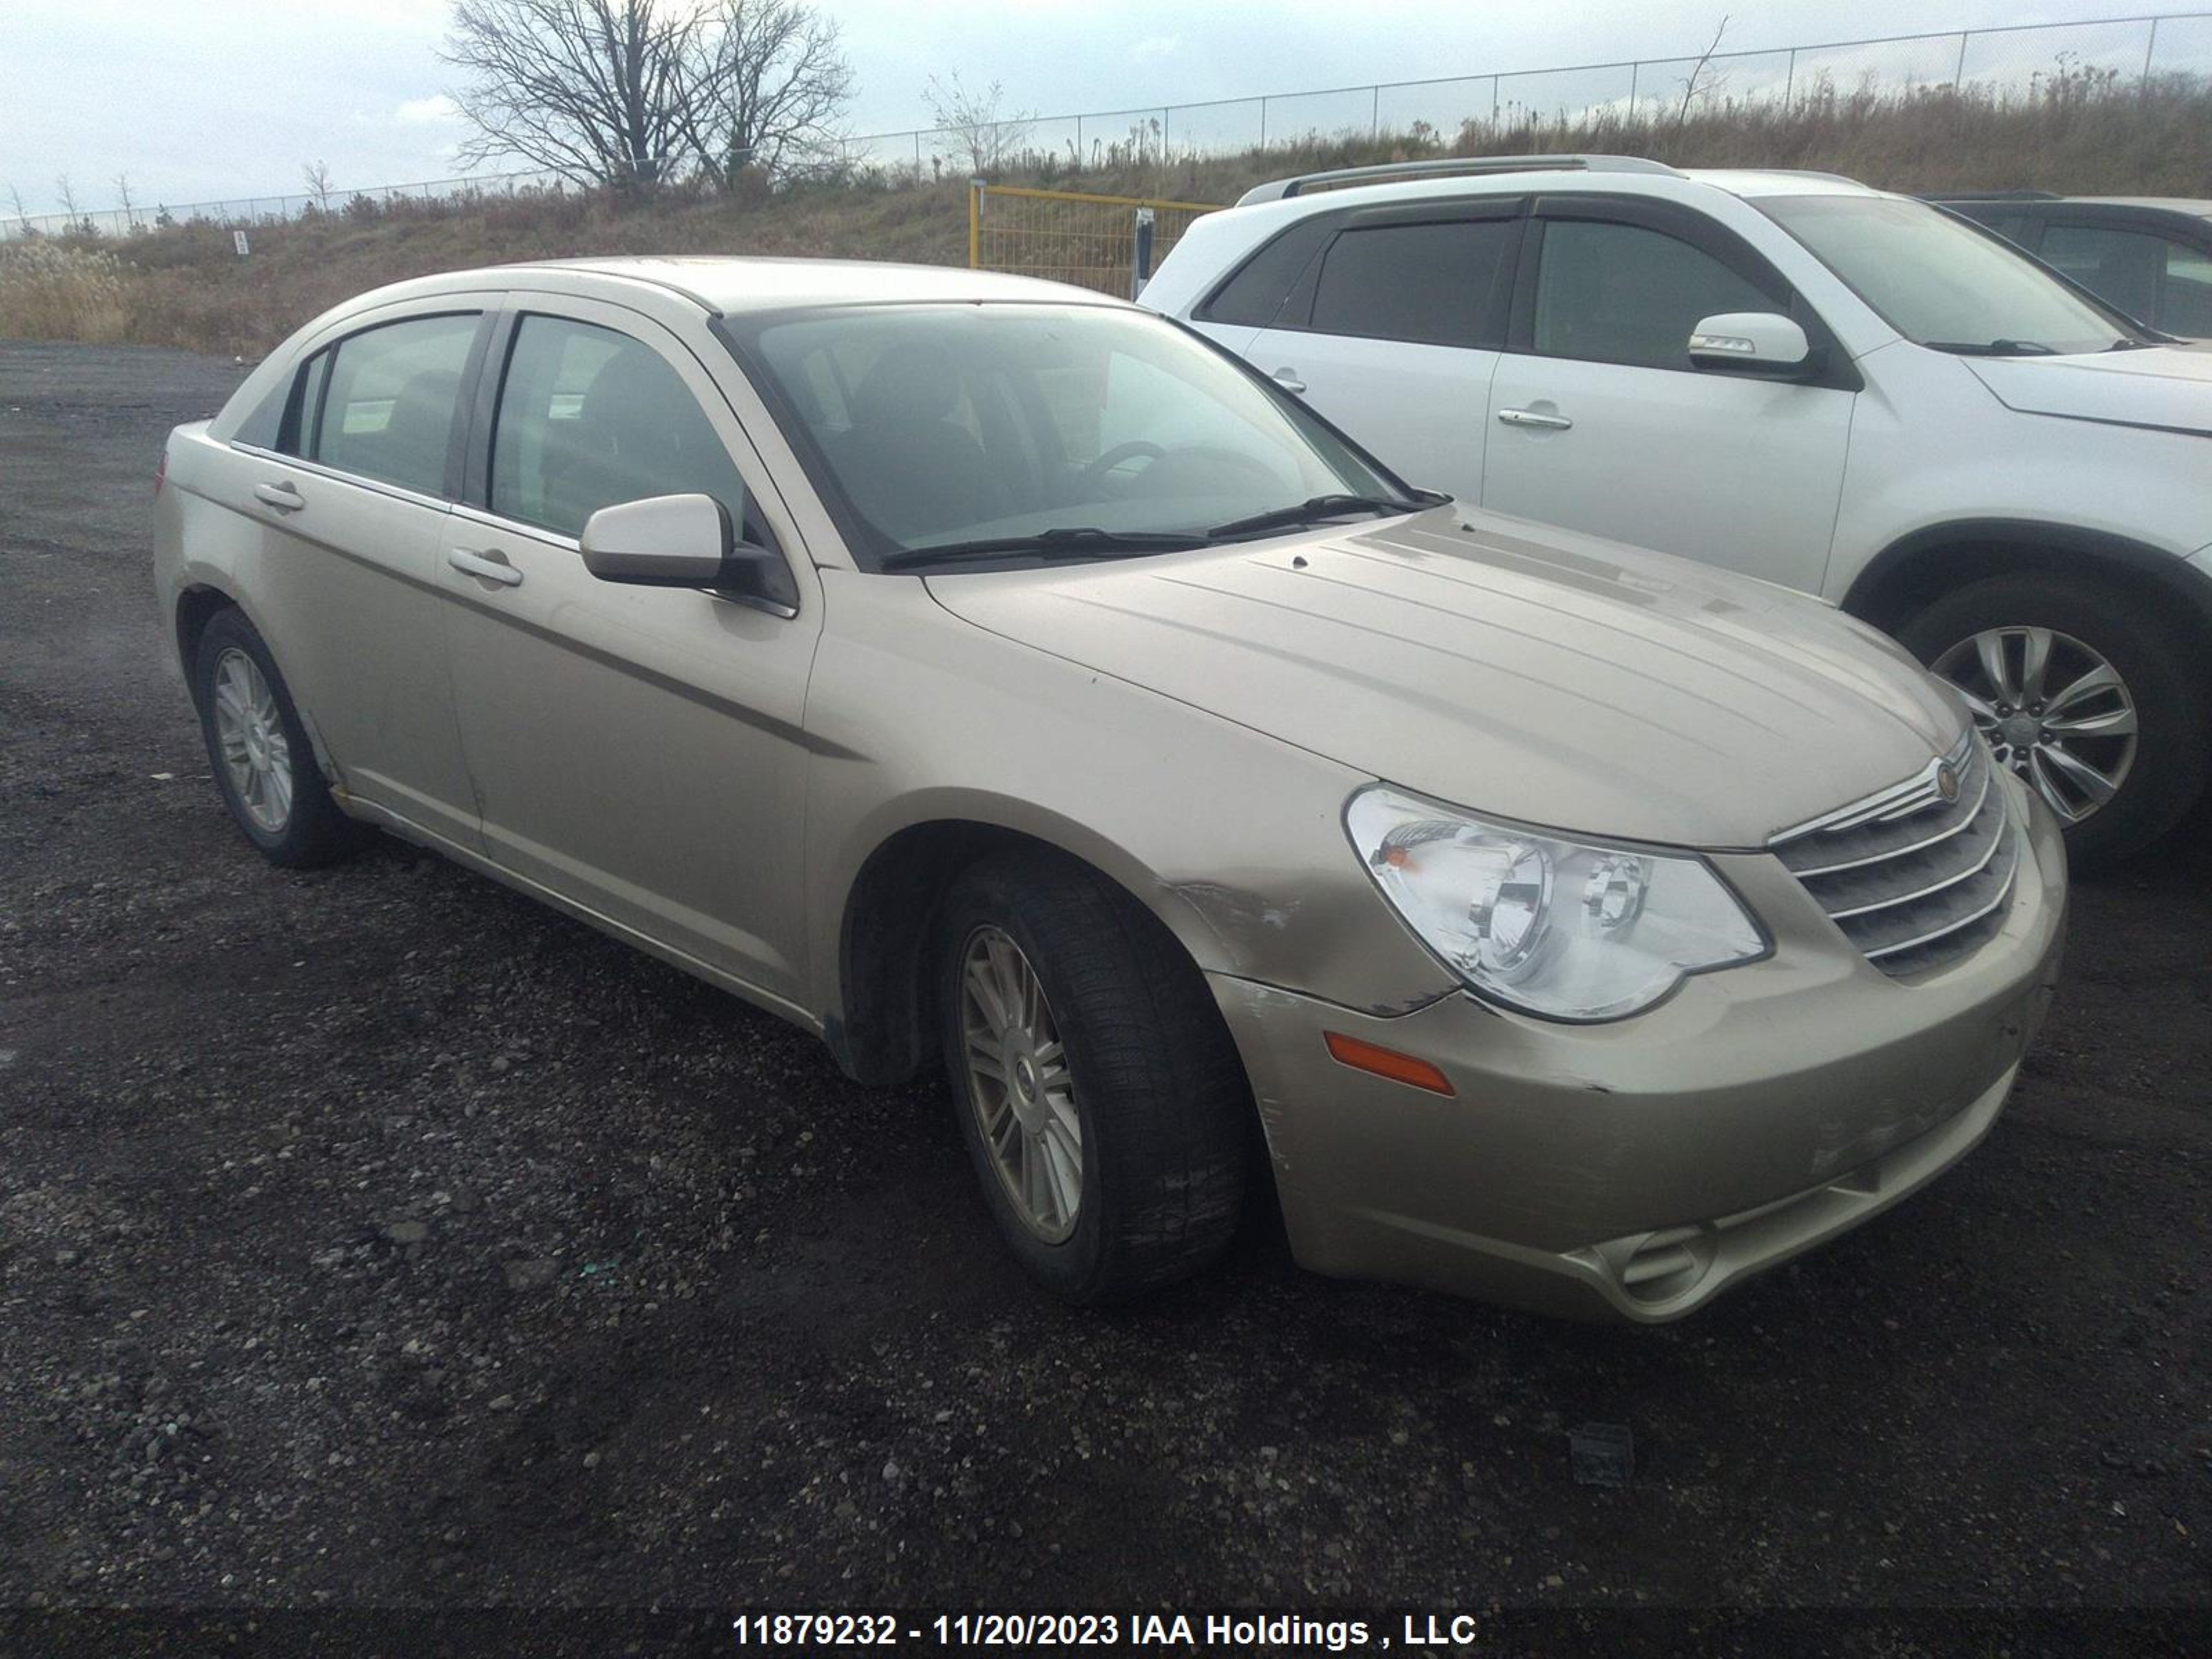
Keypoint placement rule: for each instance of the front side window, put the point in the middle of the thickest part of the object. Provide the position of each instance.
(1621, 294)
(930, 425)
(2185, 304)
(381, 403)
(1938, 283)
(2154, 279)
(2121, 267)
(1426, 284)
(589, 417)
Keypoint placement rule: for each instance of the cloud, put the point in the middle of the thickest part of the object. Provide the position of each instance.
(425, 111)
(1156, 45)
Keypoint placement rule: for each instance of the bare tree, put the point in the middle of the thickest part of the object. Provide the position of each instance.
(982, 135)
(765, 87)
(317, 175)
(123, 196)
(22, 213)
(590, 90)
(1701, 82)
(66, 194)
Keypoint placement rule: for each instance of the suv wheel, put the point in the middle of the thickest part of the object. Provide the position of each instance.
(2087, 694)
(1101, 1098)
(263, 761)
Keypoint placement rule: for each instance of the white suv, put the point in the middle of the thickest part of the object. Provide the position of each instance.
(1791, 375)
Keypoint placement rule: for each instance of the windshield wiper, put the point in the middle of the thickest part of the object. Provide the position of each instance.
(1324, 506)
(1080, 541)
(1992, 347)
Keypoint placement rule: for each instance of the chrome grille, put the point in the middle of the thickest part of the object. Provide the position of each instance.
(1915, 880)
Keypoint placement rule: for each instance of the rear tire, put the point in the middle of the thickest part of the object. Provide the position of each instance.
(263, 763)
(1130, 1069)
(2073, 624)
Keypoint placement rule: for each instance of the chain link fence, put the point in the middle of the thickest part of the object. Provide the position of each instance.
(2011, 61)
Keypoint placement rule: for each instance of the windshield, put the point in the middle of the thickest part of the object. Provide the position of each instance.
(1093, 429)
(1940, 284)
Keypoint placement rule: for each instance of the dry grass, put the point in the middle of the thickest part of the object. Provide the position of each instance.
(49, 291)
(2075, 131)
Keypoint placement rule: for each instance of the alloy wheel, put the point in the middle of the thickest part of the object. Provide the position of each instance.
(250, 733)
(2053, 708)
(1018, 1083)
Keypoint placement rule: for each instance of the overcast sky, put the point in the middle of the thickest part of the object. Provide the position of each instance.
(205, 98)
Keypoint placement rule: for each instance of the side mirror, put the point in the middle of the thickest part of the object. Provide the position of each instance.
(664, 541)
(685, 541)
(1751, 343)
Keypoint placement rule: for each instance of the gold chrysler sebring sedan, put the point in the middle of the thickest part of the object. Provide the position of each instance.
(976, 671)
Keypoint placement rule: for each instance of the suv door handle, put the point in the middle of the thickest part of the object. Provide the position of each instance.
(282, 496)
(491, 566)
(1287, 378)
(1535, 417)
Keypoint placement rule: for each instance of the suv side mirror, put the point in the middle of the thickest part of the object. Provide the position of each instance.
(685, 541)
(1751, 343)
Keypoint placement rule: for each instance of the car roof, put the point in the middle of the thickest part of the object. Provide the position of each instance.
(2036, 201)
(2197, 209)
(730, 284)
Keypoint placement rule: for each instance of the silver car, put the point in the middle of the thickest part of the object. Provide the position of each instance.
(982, 674)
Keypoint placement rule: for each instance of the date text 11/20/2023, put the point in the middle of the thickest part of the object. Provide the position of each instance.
(1174, 1631)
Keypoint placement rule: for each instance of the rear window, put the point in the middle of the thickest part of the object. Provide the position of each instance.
(1426, 284)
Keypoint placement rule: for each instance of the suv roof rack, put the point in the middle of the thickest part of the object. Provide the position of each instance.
(1280, 188)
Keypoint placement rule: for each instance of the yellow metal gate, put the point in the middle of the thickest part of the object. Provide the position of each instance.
(1110, 243)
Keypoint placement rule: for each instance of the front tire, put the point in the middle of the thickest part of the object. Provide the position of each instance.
(1100, 1097)
(258, 747)
(2089, 694)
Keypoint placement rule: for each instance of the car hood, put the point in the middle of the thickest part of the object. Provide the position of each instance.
(1506, 668)
(2164, 386)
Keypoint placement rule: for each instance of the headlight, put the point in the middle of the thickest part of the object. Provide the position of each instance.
(1552, 927)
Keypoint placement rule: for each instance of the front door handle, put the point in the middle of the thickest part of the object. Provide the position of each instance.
(1287, 378)
(491, 566)
(1535, 417)
(282, 496)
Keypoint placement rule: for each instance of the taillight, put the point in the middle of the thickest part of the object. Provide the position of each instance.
(160, 472)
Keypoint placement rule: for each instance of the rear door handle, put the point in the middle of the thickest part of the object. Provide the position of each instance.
(1535, 417)
(492, 566)
(1287, 378)
(282, 496)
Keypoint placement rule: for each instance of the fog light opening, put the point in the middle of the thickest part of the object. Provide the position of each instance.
(1662, 1266)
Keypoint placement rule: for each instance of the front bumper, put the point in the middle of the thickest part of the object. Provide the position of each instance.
(1637, 1168)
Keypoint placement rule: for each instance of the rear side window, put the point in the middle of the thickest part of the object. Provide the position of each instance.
(1620, 294)
(381, 402)
(1254, 295)
(1426, 283)
(589, 417)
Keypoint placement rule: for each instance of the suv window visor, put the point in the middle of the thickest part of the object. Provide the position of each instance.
(924, 425)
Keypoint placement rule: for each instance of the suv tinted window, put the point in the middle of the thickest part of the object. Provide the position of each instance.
(1255, 294)
(1621, 294)
(589, 417)
(1428, 283)
(381, 402)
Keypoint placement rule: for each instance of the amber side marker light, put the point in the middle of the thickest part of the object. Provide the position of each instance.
(1386, 1063)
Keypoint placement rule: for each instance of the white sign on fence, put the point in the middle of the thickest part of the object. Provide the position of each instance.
(238, 241)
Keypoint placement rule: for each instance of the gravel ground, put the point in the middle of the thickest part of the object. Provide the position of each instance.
(374, 1235)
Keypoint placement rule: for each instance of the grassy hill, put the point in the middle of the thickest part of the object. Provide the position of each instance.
(2076, 130)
